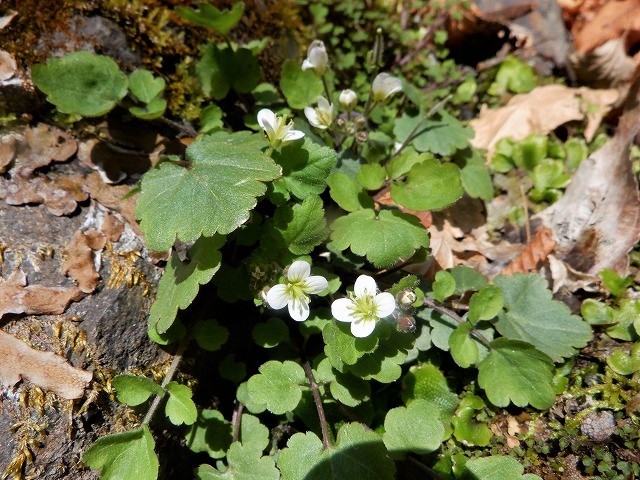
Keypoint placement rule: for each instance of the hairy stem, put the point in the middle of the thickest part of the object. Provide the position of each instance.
(431, 303)
(236, 420)
(326, 440)
(173, 368)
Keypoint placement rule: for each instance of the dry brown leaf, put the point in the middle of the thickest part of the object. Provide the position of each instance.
(541, 111)
(533, 254)
(112, 227)
(43, 369)
(8, 65)
(608, 65)
(614, 20)
(597, 221)
(111, 197)
(16, 297)
(79, 262)
(8, 148)
(6, 19)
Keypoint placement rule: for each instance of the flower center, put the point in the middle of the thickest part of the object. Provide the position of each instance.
(297, 290)
(364, 308)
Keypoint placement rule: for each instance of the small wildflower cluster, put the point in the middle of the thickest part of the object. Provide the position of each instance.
(363, 308)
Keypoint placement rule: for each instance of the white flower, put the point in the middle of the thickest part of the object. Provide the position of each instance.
(294, 292)
(348, 99)
(322, 116)
(276, 127)
(317, 58)
(364, 307)
(383, 86)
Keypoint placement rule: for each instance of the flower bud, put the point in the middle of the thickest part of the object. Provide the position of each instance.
(348, 99)
(406, 298)
(322, 116)
(383, 86)
(317, 58)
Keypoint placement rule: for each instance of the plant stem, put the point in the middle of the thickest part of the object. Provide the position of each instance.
(326, 88)
(236, 420)
(429, 114)
(422, 466)
(326, 441)
(173, 368)
(429, 302)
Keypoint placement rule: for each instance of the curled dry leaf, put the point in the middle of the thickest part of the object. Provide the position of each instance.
(44, 369)
(79, 260)
(541, 111)
(111, 197)
(607, 65)
(597, 221)
(614, 20)
(533, 254)
(112, 228)
(16, 297)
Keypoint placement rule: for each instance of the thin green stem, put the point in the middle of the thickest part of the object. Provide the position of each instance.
(326, 439)
(431, 303)
(429, 114)
(326, 87)
(173, 368)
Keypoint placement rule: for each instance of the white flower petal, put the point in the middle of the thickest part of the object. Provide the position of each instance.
(365, 285)
(385, 304)
(306, 64)
(323, 104)
(292, 135)
(298, 270)
(277, 297)
(313, 117)
(299, 309)
(348, 99)
(267, 119)
(362, 328)
(315, 284)
(342, 310)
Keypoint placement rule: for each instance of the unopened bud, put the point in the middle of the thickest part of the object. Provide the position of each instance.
(348, 99)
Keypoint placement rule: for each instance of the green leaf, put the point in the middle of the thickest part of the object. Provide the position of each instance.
(625, 363)
(253, 433)
(300, 87)
(427, 382)
(213, 195)
(384, 237)
(278, 386)
(302, 226)
(463, 348)
(210, 433)
(430, 185)
(270, 333)
(466, 428)
(516, 372)
(485, 304)
(305, 167)
(444, 285)
(625, 317)
(402, 163)
(530, 152)
(616, 284)
(497, 467)
(534, 317)
(347, 193)
(209, 335)
(349, 389)
(442, 134)
(81, 83)
(134, 389)
(596, 313)
(245, 463)
(443, 326)
(144, 86)
(154, 109)
(220, 21)
(220, 69)
(358, 454)
(180, 282)
(341, 347)
(180, 408)
(513, 75)
(371, 176)
(124, 456)
(211, 119)
(416, 428)
(476, 179)
(467, 279)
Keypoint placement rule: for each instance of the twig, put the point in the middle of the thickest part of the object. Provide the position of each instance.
(186, 130)
(422, 466)
(177, 358)
(428, 36)
(236, 421)
(454, 316)
(326, 441)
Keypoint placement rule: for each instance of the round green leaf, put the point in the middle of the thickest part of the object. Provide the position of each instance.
(463, 349)
(135, 390)
(144, 86)
(209, 335)
(270, 333)
(300, 87)
(485, 304)
(416, 428)
(278, 386)
(81, 83)
(444, 285)
(180, 408)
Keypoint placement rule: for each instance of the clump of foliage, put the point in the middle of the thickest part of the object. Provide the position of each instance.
(294, 205)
